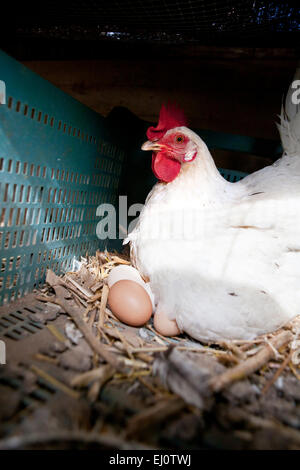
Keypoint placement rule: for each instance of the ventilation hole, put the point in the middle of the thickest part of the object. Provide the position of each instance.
(11, 319)
(29, 309)
(10, 265)
(18, 216)
(38, 216)
(41, 192)
(21, 193)
(25, 216)
(18, 105)
(38, 170)
(14, 240)
(46, 386)
(18, 315)
(28, 194)
(2, 219)
(10, 218)
(39, 395)
(4, 323)
(21, 242)
(5, 196)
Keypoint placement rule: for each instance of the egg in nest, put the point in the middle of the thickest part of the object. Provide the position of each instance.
(132, 301)
(128, 297)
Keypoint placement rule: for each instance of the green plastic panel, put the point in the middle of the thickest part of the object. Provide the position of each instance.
(58, 162)
(232, 175)
(241, 143)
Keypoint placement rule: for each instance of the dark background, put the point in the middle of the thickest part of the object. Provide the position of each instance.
(227, 63)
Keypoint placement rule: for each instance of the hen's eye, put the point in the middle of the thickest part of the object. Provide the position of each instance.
(179, 139)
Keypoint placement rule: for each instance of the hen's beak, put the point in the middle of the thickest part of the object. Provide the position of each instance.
(154, 146)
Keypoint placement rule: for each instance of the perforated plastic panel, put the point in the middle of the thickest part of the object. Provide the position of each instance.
(57, 164)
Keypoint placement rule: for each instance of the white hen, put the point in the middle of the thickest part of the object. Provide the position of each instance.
(223, 259)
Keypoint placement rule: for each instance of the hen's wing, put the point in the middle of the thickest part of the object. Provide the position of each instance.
(282, 179)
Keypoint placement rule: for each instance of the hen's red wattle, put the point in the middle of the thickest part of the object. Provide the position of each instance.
(165, 169)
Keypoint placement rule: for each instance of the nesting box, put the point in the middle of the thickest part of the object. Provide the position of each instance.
(59, 161)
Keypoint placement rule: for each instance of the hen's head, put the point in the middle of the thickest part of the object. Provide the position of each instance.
(171, 142)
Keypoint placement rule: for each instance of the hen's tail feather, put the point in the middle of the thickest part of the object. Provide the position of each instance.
(289, 127)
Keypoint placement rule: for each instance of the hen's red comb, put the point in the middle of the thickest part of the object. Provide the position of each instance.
(170, 116)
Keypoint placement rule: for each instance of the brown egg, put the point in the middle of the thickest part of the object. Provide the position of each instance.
(130, 303)
(164, 325)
